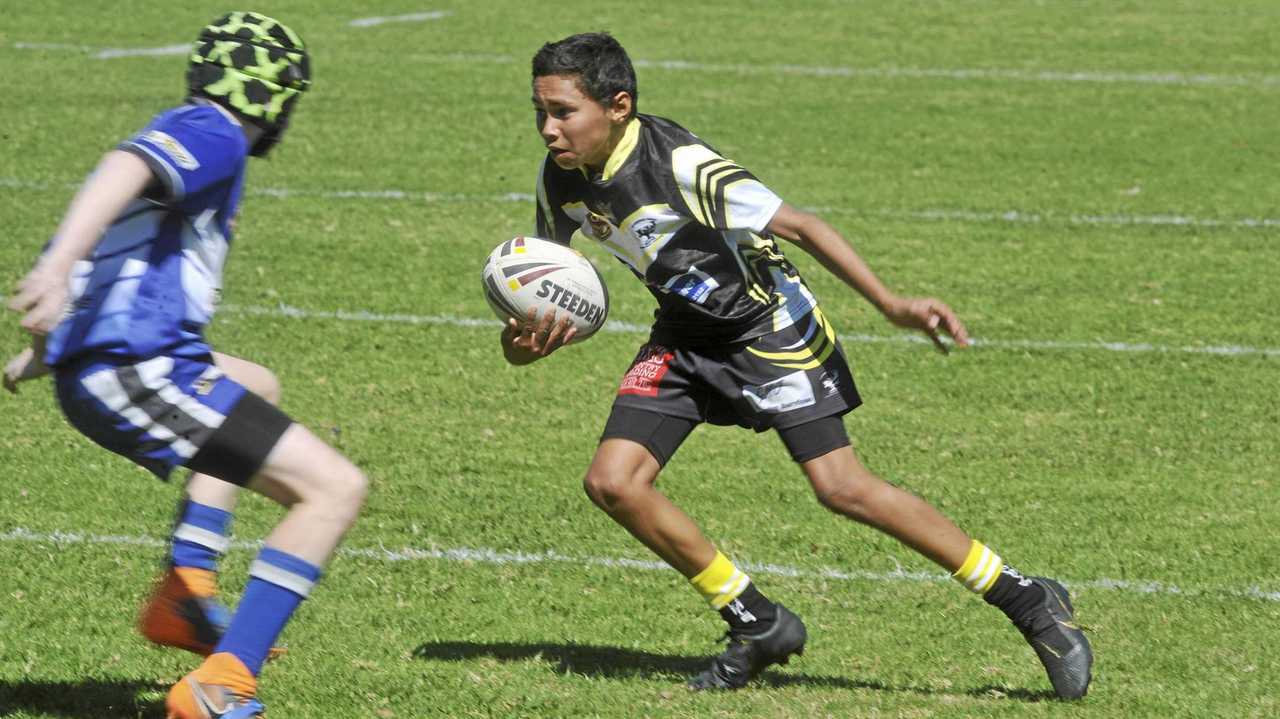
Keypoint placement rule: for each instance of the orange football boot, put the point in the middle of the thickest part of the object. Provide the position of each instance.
(184, 612)
(220, 688)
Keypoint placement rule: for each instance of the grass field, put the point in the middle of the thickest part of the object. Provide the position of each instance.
(1092, 185)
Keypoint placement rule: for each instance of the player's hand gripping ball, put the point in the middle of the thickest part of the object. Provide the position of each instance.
(529, 272)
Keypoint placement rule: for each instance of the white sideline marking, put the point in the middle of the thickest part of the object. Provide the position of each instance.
(107, 53)
(115, 52)
(1158, 78)
(916, 73)
(51, 46)
(930, 215)
(411, 17)
(628, 327)
(492, 556)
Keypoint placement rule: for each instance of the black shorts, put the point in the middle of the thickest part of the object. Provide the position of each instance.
(781, 380)
(168, 412)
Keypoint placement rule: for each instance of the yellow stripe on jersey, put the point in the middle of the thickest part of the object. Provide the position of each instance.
(750, 279)
(706, 188)
(548, 218)
(630, 137)
(818, 349)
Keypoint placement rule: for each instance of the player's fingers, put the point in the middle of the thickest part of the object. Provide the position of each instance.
(957, 330)
(524, 330)
(571, 334)
(34, 323)
(951, 323)
(548, 321)
(543, 332)
(42, 318)
(23, 299)
(937, 341)
(555, 337)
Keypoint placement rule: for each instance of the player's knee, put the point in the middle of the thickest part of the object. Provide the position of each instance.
(264, 383)
(846, 493)
(343, 492)
(269, 387)
(609, 488)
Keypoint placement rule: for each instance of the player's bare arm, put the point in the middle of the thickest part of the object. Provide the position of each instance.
(815, 236)
(42, 294)
(535, 338)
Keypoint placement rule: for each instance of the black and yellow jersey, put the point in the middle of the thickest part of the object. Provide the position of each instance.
(688, 222)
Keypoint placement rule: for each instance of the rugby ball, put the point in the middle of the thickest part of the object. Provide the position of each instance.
(526, 272)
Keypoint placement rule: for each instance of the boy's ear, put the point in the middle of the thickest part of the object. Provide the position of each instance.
(620, 107)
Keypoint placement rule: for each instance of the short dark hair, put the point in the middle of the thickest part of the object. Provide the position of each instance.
(597, 59)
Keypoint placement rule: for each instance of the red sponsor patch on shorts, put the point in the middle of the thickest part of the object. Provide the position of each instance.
(647, 371)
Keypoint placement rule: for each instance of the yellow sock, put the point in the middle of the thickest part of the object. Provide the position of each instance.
(980, 569)
(721, 582)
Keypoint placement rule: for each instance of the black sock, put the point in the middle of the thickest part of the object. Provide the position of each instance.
(751, 612)
(1016, 596)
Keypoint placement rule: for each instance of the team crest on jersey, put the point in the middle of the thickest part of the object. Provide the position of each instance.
(645, 230)
(600, 227)
(173, 149)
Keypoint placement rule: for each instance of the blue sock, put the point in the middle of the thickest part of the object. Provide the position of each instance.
(200, 537)
(278, 582)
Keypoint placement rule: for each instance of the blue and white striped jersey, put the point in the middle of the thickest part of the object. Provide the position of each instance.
(152, 282)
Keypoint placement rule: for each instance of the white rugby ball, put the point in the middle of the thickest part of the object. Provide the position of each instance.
(526, 272)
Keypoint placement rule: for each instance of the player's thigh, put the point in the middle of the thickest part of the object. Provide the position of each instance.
(164, 412)
(254, 377)
(634, 430)
(301, 467)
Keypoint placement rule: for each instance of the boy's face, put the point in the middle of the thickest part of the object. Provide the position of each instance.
(577, 130)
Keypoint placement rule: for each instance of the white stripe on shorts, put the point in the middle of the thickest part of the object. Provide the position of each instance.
(154, 374)
(106, 387)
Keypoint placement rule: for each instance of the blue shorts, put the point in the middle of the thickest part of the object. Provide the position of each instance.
(167, 412)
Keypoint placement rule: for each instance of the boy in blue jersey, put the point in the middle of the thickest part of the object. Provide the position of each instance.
(118, 303)
(738, 339)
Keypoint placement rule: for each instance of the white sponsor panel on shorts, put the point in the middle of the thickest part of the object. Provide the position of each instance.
(784, 394)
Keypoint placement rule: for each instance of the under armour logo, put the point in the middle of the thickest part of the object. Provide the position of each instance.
(1014, 574)
(741, 611)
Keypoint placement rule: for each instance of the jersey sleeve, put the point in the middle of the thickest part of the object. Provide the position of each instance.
(719, 193)
(552, 223)
(189, 149)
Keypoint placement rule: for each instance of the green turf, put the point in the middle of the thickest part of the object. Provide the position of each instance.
(1137, 466)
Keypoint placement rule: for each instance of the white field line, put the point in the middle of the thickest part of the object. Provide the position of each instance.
(411, 17)
(107, 53)
(166, 51)
(926, 215)
(1155, 78)
(51, 46)
(631, 328)
(917, 73)
(467, 555)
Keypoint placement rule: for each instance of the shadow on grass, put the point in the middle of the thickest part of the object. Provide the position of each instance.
(84, 699)
(619, 663)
